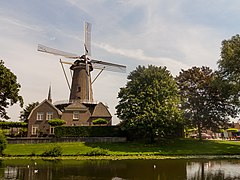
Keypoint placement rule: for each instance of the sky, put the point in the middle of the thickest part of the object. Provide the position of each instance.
(176, 34)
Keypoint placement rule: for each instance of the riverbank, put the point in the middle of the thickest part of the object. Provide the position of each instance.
(168, 148)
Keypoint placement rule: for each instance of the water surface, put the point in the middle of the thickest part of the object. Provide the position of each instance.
(120, 169)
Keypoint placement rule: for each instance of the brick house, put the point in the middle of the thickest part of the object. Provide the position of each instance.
(38, 119)
(75, 113)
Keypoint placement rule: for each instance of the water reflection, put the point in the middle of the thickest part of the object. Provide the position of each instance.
(120, 170)
(227, 169)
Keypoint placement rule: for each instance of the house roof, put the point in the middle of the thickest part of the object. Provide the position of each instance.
(76, 106)
(101, 110)
(48, 102)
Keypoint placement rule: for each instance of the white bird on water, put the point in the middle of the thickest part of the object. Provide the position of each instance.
(35, 171)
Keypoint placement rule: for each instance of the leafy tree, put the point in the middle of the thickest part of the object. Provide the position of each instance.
(204, 101)
(9, 90)
(27, 110)
(229, 64)
(229, 68)
(149, 102)
(56, 122)
(99, 121)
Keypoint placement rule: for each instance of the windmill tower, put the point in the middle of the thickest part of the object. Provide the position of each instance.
(81, 86)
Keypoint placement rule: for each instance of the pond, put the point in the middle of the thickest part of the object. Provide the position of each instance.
(120, 169)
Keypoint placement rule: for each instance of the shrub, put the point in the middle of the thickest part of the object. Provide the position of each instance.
(3, 143)
(56, 122)
(100, 121)
(10, 124)
(54, 151)
(97, 152)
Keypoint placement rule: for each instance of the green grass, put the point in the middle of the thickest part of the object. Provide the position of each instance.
(169, 147)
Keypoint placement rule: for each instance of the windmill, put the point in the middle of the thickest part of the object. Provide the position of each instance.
(81, 86)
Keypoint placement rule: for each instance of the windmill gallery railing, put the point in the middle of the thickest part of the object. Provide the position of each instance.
(81, 101)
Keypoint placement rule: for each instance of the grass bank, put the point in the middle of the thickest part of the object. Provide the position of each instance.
(165, 148)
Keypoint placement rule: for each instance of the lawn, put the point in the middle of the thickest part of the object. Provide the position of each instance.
(167, 147)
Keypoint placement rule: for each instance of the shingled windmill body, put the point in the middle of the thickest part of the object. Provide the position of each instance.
(81, 93)
(81, 88)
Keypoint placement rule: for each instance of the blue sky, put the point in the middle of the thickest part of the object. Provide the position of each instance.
(176, 34)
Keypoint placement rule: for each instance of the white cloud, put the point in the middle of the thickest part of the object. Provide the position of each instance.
(139, 54)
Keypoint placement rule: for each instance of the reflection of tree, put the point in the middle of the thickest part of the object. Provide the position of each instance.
(213, 170)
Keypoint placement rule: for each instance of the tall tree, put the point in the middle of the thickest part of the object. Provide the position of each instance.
(229, 63)
(229, 67)
(204, 101)
(149, 102)
(9, 90)
(27, 110)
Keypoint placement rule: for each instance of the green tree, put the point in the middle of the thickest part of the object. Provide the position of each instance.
(149, 102)
(27, 110)
(229, 68)
(228, 64)
(204, 101)
(9, 90)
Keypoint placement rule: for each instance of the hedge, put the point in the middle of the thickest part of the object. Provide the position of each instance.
(88, 131)
(10, 124)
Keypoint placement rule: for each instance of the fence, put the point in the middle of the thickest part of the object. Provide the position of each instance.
(35, 140)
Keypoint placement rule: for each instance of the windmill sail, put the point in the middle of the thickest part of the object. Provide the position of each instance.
(97, 64)
(53, 51)
(87, 38)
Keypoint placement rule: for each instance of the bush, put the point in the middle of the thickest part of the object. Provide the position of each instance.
(56, 122)
(3, 143)
(100, 121)
(54, 151)
(97, 152)
(10, 124)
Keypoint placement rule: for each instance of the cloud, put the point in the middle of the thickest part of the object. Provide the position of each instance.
(13, 22)
(138, 54)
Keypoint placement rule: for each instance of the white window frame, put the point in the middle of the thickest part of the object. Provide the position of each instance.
(40, 116)
(76, 115)
(51, 130)
(34, 130)
(49, 115)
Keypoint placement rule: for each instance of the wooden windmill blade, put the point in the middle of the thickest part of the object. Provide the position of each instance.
(87, 38)
(53, 51)
(97, 64)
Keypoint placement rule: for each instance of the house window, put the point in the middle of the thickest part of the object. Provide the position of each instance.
(51, 130)
(75, 115)
(40, 116)
(34, 130)
(49, 115)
